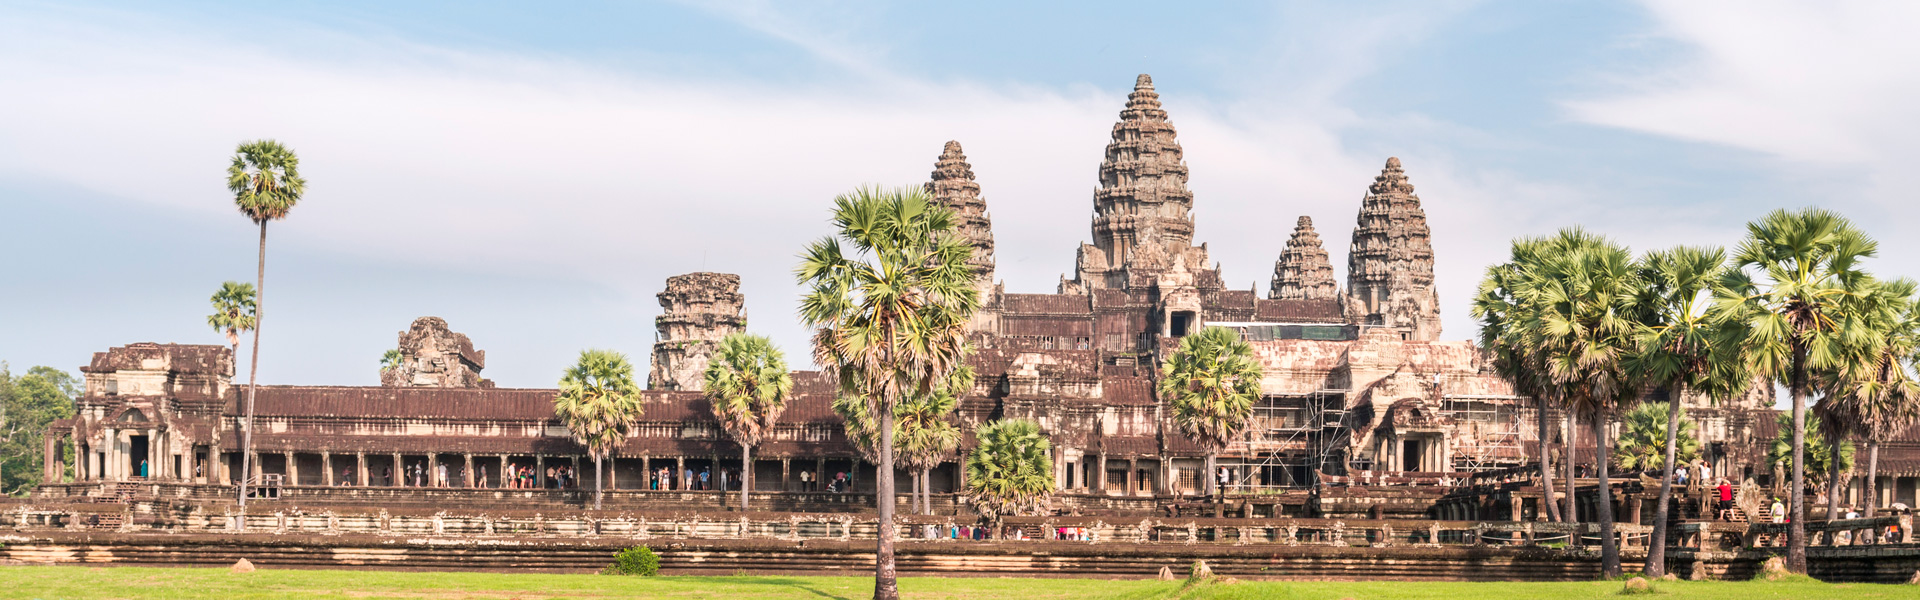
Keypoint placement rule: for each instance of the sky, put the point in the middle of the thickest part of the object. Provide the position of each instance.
(534, 173)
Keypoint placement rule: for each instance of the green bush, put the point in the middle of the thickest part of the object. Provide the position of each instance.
(638, 560)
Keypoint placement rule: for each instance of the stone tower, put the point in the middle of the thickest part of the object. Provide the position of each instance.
(700, 308)
(952, 186)
(432, 355)
(1390, 265)
(1303, 271)
(1141, 212)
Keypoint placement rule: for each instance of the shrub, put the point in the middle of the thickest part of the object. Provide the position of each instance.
(638, 560)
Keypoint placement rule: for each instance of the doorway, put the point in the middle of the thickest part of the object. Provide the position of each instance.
(137, 464)
(1410, 456)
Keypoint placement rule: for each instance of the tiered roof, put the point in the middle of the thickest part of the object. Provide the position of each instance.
(1303, 271)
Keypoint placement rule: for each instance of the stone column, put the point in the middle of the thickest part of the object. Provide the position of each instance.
(433, 469)
(680, 472)
(326, 465)
(399, 472)
(52, 449)
(467, 471)
(293, 470)
(360, 469)
(1102, 475)
(540, 471)
(1133, 477)
(820, 478)
(646, 466)
(786, 474)
(612, 463)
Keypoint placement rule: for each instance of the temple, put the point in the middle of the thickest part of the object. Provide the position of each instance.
(1357, 390)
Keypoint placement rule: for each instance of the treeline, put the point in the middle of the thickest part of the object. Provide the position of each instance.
(28, 403)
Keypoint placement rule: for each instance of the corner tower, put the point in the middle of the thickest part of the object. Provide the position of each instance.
(1303, 271)
(1390, 265)
(952, 186)
(700, 308)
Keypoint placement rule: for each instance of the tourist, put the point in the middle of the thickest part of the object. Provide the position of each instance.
(723, 480)
(143, 468)
(444, 482)
(482, 475)
(1706, 472)
(1779, 511)
(806, 477)
(704, 474)
(1680, 477)
(386, 475)
(1223, 479)
(346, 476)
(1726, 497)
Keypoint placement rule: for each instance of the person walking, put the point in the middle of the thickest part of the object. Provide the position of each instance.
(705, 472)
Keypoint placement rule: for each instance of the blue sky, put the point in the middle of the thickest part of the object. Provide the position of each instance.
(533, 174)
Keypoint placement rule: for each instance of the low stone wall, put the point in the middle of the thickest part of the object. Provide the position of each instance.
(805, 557)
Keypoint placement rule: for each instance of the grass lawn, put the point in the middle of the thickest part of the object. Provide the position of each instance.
(139, 582)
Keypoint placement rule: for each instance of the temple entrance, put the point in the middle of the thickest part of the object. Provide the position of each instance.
(137, 463)
(1410, 455)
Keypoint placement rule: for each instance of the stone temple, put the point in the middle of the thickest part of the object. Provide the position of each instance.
(1357, 385)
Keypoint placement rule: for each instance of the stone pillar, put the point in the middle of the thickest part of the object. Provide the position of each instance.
(680, 472)
(399, 472)
(293, 470)
(52, 449)
(467, 471)
(646, 466)
(1133, 477)
(326, 465)
(360, 469)
(612, 463)
(820, 478)
(540, 471)
(786, 474)
(1102, 475)
(433, 470)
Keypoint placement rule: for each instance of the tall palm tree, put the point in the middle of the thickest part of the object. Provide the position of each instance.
(1677, 345)
(925, 435)
(1211, 382)
(1798, 279)
(266, 184)
(1882, 388)
(890, 318)
(1010, 471)
(233, 312)
(1870, 394)
(391, 360)
(1502, 307)
(1585, 288)
(748, 384)
(599, 403)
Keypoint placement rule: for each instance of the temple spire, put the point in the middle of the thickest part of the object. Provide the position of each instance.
(1303, 271)
(1390, 266)
(1143, 198)
(952, 186)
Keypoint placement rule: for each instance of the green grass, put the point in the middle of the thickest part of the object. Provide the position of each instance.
(139, 582)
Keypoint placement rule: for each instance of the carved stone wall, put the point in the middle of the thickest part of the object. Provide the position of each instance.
(700, 308)
(431, 355)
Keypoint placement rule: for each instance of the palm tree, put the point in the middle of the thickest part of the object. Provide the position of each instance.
(233, 312)
(1502, 307)
(599, 402)
(748, 384)
(1820, 459)
(1010, 471)
(1677, 348)
(925, 435)
(1211, 383)
(391, 360)
(1875, 392)
(1585, 287)
(890, 319)
(265, 181)
(1798, 279)
(1643, 444)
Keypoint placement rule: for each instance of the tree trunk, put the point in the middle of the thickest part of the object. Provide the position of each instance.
(885, 583)
(1551, 508)
(253, 369)
(1835, 486)
(1657, 544)
(746, 475)
(1573, 509)
(598, 474)
(1797, 519)
(926, 490)
(1603, 510)
(1873, 476)
(1213, 482)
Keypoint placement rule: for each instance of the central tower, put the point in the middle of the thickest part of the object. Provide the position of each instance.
(1141, 213)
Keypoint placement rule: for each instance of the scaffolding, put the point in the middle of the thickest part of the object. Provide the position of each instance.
(1289, 439)
(1495, 421)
